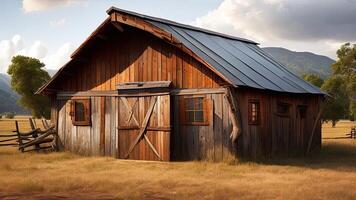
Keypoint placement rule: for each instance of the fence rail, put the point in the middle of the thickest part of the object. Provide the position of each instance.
(34, 140)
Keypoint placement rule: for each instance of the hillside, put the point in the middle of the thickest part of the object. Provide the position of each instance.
(8, 98)
(302, 62)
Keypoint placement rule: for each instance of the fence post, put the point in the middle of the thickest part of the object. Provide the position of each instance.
(18, 134)
(35, 135)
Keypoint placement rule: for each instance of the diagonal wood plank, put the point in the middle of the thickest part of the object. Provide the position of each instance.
(152, 147)
(131, 110)
(144, 126)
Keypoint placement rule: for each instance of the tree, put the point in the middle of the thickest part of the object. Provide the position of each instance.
(313, 79)
(345, 67)
(27, 75)
(337, 106)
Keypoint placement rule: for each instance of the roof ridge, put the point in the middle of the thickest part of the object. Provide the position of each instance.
(173, 23)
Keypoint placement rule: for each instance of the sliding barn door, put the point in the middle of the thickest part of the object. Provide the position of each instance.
(144, 127)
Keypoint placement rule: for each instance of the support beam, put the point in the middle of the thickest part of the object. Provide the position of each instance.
(118, 26)
(234, 113)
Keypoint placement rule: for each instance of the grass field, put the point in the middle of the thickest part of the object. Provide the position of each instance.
(331, 174)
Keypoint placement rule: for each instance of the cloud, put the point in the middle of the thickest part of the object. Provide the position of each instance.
(58, 23)
(17, 46)
(270, 21)
(8, 48)
(42, 5)
(287, 19)
(60, 57)
(38, 50)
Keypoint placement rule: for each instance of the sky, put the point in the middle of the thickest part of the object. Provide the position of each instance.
(51, 30)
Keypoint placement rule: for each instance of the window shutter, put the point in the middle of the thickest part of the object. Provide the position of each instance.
(182, 110)
(87, 110)
(71, 112)
(207, 107)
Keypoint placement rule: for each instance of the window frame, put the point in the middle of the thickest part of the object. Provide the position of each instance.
(87, 111)
(283, 114)
(256, 102)
(302, 110)
(205, 108)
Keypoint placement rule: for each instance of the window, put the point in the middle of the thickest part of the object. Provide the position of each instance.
(253, 112)
(283, 108)
(302, 110)
(80, 112)
(194, 111)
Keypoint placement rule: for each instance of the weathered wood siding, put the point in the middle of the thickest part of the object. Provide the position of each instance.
(135, 55)
(212, 142)
(276, 134)
(85, 140)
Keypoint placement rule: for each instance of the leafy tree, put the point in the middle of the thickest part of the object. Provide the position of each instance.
(27, 75)
(345, 67)
(337, 106)
(313, 79)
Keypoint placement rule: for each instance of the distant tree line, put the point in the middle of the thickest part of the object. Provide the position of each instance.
(9, 115)
(341, 86)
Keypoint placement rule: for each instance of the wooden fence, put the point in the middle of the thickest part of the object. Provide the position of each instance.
(34, 140)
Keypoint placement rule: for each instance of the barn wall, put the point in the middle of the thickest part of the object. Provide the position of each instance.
(277, 135)
(86, 140)
(134, 55)
(212, 142)
(104, 138)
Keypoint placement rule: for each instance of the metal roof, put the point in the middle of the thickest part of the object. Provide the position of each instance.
(239, 60)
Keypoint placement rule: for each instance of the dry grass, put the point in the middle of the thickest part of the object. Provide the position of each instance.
(328, 175)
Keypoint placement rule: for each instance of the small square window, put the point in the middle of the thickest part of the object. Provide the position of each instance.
(194, 111)
(302, 110)
(80, 112)
(253, 112)
(283, 108)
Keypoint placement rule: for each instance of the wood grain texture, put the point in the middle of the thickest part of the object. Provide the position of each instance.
(146, 58)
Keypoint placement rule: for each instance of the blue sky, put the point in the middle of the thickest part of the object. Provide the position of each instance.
(51, 30)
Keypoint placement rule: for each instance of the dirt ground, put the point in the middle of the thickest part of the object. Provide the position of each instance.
(330, 174)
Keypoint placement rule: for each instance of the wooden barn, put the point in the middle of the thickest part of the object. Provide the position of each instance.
(146, 88)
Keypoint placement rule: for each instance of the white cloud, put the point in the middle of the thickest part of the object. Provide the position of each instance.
(58, 23)
(38, 50)
(8, 48)
(272, 22)
(16, 46)
(42, 5)
(60, 57)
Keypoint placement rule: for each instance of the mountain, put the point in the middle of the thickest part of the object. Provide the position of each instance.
(302, 62)
(8, 98)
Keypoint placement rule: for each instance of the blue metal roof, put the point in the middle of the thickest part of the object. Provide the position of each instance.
(239, 60)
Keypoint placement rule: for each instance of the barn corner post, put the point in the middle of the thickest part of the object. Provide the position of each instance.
(235, 116)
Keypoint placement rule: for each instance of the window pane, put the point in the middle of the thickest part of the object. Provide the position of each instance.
(199, 116)
(199, 103)
(190, 116)
(79, 111)
(189, 104)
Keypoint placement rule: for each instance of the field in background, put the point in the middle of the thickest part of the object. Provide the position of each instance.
(331, 174)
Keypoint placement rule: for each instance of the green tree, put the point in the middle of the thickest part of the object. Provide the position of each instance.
(27, 75)
(313, 79)
(345, 67)
(337, 106)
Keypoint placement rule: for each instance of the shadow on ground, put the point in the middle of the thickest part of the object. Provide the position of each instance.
(335, 156)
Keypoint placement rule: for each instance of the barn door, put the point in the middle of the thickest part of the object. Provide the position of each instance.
(144, 127)
(282, 129)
